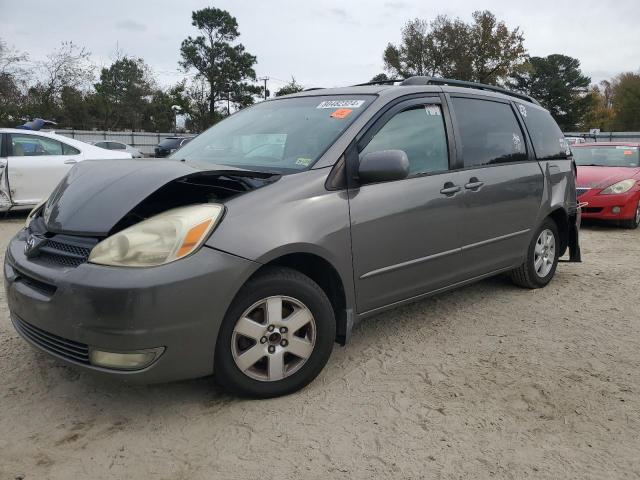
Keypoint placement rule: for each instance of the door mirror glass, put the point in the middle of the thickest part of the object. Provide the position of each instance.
(383, 166)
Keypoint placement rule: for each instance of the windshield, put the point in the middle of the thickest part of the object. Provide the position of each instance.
(613, 156)
(284, 136)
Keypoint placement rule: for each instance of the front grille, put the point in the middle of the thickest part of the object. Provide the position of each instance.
(66, 251)
(75, 351)
(592, 209)
(581, 191)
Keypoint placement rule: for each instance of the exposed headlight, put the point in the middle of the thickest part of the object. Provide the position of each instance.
(33, 213)
(161, 239)
(620, 187)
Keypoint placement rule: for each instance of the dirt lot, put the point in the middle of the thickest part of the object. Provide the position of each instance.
(486, 382)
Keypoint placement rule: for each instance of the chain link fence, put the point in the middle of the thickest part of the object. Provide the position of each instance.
(143, 141)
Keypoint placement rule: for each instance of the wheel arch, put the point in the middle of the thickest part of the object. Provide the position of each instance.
(327, 276)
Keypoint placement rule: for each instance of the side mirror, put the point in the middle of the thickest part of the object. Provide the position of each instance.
(383, 166)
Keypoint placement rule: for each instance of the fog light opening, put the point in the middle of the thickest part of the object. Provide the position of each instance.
(615, 209)
(135, 360)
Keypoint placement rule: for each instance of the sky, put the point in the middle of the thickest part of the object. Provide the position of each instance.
(323, 43)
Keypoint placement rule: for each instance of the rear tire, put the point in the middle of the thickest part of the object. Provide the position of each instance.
(633, 222)
(542, 258)
(285, 321)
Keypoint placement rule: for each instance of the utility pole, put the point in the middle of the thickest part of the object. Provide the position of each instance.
(264, 79)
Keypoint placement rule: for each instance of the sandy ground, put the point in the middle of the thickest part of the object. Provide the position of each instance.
(490, 381)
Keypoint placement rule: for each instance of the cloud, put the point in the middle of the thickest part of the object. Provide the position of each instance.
(397, 5)
(131, 25)
(341, 14)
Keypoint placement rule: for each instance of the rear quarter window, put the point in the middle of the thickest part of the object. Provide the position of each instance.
(547, 138)
(69, 150)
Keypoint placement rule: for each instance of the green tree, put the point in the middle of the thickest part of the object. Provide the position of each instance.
(381, 77)
(122, 93)
(159, 114)
(626, 102)
(77, 109)
(224, 64)
(600, 112)
(289, 88)
(485, 50)
(558, 84)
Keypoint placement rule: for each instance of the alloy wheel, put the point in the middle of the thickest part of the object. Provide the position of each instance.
(273, 338)
(544, 253)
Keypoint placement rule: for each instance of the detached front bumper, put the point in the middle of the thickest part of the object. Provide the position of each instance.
(174, 309)
(609, 207)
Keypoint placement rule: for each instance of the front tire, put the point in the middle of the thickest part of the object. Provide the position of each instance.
(633, 222)
(277, 335)
(542, 258)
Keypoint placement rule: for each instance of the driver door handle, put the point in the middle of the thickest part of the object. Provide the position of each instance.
(70, 161)
(474, 184)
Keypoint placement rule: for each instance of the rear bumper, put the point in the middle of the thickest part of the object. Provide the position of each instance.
(609, 207)
(178, 307)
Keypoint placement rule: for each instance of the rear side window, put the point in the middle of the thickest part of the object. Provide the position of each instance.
(547, 138)
(420, 133)
(489, 132)
(34, 145)
(69, 150)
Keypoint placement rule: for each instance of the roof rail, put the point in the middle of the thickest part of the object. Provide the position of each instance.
(420, 80)
(388, 81)
(312, 88)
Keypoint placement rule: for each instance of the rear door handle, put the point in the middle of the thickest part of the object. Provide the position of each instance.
(70, 161)
(450, 189)
(474, 184)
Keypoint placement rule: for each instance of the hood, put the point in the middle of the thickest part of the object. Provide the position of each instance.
(97, 196)
(602, 177)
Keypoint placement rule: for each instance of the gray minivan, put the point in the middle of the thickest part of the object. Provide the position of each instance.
(256, 246)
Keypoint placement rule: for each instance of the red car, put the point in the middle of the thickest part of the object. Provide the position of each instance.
(608, 181)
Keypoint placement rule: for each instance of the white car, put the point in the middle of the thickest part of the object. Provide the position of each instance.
(32, 163)
(123, 147)
(575, 140)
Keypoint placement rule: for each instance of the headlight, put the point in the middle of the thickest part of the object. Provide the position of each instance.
(161, 239)
(620, 187)
(33, 213)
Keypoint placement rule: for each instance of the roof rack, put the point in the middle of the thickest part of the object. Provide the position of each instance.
(388, 81)
(420, 80)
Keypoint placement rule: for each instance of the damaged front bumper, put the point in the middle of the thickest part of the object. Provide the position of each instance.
(172, 311)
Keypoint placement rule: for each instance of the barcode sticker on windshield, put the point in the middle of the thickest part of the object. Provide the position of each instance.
(341, 104)
(626, 148)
